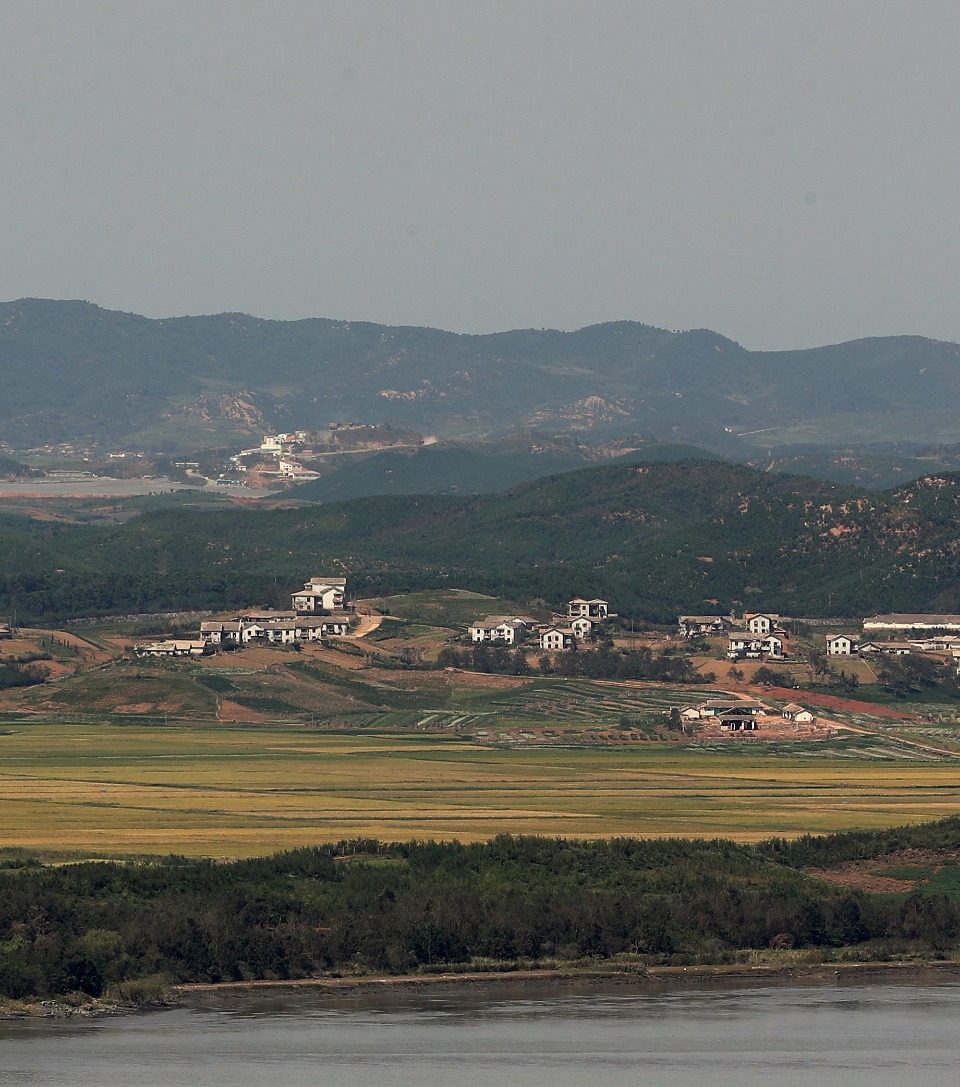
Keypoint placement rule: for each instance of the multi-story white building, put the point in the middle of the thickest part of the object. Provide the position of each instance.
(321, 594)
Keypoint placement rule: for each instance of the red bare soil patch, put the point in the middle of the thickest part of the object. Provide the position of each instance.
(232, 712)
(15, 647)
(832, 702)
(332, 656)
(56, 669)
(36, 513)
(488, 680)
(868, 875)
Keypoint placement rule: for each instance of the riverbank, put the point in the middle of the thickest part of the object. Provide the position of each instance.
(90, 1008)
(648, 978)
(580, 979)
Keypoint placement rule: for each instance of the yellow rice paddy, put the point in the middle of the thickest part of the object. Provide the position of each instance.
(241, 791)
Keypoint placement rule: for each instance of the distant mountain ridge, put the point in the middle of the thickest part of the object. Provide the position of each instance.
(72, 371)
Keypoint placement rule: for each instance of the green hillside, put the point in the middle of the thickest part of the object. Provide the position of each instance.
(12, 469)
(460, 469)
(653, 538)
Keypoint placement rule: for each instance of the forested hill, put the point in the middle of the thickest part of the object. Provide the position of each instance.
(655, 539)
(70, 370)
(463, 469)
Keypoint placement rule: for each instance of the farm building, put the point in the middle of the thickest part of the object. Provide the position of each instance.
(172, 647)
(906, 621)
(796, 713)
(693, 626)
(737, 721)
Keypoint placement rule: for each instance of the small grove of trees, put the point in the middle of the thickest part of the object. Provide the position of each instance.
(639, 663)
(485, 658)
(912, 674)
(655, 725)
(772, 677)
(20, 675)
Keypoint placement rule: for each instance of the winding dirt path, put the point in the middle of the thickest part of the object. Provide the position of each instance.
(369, 621)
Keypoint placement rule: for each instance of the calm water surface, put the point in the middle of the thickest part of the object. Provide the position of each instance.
(788, 1036)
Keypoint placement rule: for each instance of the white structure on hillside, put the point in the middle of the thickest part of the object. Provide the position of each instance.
(321, 594)
(557, 638)
(508, 629)
(693, 626)
(840, 645)
(762, 623)
(172, 647)
(244, 630)
(796, 713)
(754, 646)
(589, 609)
(583, 628)
(901, 621)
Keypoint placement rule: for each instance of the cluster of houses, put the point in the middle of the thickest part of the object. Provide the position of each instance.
(580, 625)
(319, 610)
(6, 631)
(758, 636)
(938, 637)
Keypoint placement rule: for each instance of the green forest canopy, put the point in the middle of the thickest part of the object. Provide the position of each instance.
(654, 539)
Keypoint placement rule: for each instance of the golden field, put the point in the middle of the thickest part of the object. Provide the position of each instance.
(231, 791)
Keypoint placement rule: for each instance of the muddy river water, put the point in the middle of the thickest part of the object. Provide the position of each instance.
(789, 1035)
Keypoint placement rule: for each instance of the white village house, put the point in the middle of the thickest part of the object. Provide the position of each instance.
(796, 713)
(583, 628)
(717, 707)
(581, 624)
(761, 623)
(694, 626)
(323, 594)
(840, 645)
(589, 609)
(754, 647)
(732, 716)
(557, 638)
(887, 649)
(508, 629)
(283, 631)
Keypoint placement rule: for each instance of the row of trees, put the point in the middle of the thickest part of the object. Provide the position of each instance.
(602, 663)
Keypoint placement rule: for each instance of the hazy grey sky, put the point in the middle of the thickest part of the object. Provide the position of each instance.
(783, 172)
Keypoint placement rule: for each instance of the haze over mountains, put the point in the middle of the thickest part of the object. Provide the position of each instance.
(71, 371)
